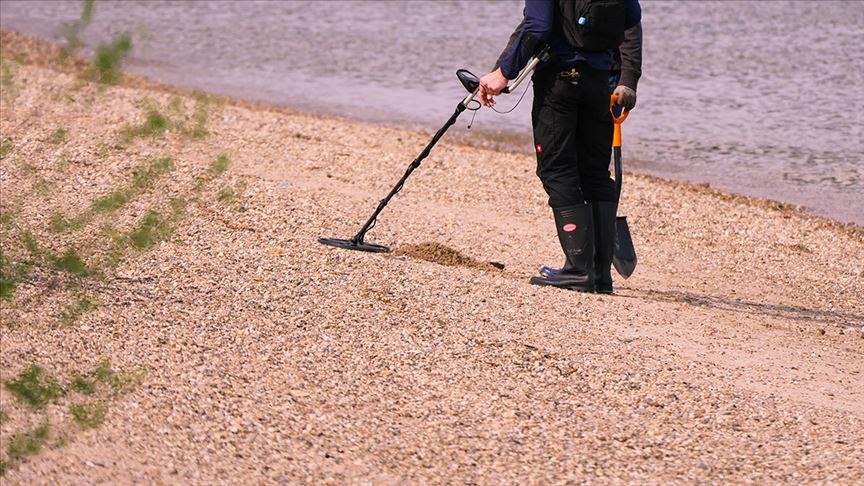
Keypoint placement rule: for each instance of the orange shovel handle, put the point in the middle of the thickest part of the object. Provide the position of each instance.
(617, 120)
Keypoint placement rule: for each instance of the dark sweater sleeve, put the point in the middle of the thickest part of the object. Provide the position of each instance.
(536, 27)
(631, 56)
(514, 37)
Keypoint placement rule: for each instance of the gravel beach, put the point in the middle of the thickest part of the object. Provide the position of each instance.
(162, 274)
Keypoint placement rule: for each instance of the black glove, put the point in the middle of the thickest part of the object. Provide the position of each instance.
(626, 97)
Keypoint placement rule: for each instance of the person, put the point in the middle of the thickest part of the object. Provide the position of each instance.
(571, 121)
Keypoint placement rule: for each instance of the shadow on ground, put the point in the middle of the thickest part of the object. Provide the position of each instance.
(794, 313)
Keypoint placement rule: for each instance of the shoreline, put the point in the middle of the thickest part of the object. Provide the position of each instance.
(168, 315)
(47, 53)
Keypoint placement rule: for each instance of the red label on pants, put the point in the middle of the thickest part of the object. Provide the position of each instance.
(569, 227)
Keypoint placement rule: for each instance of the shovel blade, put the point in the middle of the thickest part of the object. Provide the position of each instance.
(624, 258)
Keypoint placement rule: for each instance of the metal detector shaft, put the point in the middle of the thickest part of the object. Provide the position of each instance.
(358, 238)
(472, 84)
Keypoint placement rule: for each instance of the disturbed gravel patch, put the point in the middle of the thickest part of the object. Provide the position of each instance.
(443, 255)
(732, 355)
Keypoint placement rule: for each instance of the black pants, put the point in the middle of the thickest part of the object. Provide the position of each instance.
(573, 135)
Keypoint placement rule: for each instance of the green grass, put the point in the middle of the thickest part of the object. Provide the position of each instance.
(60, 223)
(11, 274)
(90, 415)
(33, 387)
(155, 124)
(228, 194)
(26, 444)
(6, 76)
(82, 385)
(148, 231)
(58, 137)
(143, 177)
(110, 202)
(196, 128)
(199, 122)
(108, 61)
(5, 147)
(117, 243)
(43, 186)
(105, 374)
(72, 31)
(70, 262)
(6, 220)
(31, 244)
(220, 165)
(76, 309)
(217, 167)
(176, 105)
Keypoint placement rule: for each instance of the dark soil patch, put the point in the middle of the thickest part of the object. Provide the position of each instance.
(442, 255)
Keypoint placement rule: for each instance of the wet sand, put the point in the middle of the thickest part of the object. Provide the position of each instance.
(251, 352)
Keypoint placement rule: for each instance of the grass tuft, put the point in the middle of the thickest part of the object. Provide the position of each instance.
(6, 76)
(60, 223)
(105, 374)
(111, 202)
(72, 31)
(228, 194)
(82, 385)
(70, 262)
(5, 147)
(29, 443)
(143, 177)
(147, 233)
(31, 244)
(89, 416)
(200, 119)
(217, 167)
(33, 387)
(107, 64)
(220, 165)
(76, 309)
(43, 186)
(11, 274)
(155, 124)
(58, 137)
(6, 220)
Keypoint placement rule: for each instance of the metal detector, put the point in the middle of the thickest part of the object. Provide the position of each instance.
(472, 84)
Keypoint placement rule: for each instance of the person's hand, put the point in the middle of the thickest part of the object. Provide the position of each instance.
(626, 97)
(491, 85)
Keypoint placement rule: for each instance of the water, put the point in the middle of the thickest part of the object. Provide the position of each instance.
(759, 98)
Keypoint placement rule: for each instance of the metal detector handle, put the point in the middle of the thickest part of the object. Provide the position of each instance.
(541, 56)
(524, 74)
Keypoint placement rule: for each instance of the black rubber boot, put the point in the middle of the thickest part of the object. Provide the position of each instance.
(576, 235)
(604, 244)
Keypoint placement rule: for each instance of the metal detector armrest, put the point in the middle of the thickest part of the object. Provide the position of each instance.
(541, 56)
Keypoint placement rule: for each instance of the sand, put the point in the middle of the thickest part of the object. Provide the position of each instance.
(251, 353)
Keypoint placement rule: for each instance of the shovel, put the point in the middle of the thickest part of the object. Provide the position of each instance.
(624, 258)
